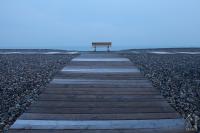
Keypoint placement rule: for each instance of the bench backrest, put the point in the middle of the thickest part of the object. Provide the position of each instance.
(101, 44)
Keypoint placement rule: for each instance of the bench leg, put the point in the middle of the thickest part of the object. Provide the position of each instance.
(108, 49)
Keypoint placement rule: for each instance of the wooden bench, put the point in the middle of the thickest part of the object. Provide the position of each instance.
(101, 44)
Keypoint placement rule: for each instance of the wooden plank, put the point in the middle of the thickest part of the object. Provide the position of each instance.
(77, 92)
(99, 67)
(101, 59)
(65, 104)
(101, 70)
(108, 74)
(102, 89)
(101, 100)
(97, 63)
(96, 110)
(135, 116)
(99, 124)
(98, 99)
(117, 85)
(104, 77)
(100, 96)
(98, 55)
(103, 131)
(100, 81)
(136, 76)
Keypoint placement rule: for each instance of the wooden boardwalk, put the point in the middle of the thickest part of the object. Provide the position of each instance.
(100, 93)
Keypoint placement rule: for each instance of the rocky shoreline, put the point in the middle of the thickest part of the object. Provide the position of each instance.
(177, 77)
(22, 78)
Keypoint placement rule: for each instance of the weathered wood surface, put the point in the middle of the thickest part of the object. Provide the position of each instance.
(104, 131)
(132, 116)
(100, 87)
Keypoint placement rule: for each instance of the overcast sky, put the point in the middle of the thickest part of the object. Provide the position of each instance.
(74, 24)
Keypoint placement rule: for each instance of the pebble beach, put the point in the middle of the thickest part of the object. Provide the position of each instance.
(22, 79)
(176, 75)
